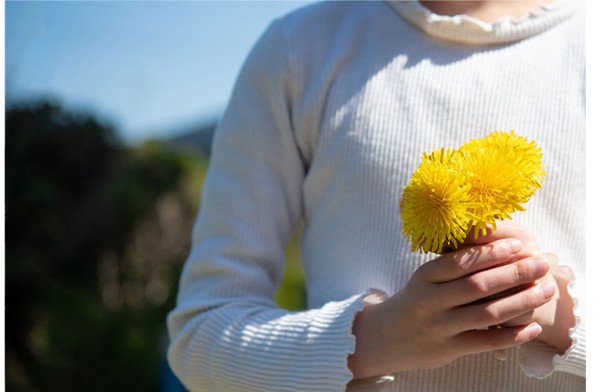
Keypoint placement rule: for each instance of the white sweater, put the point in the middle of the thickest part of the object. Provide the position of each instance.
(328, 120)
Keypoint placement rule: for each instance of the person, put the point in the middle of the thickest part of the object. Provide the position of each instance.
(327, 121)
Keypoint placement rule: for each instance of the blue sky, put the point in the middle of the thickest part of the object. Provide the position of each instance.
(151, 68)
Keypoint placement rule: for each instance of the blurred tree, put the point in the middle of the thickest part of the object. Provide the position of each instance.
(86, 288)
(96, 235)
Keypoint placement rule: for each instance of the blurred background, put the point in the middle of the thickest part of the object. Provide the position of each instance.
(110, 110)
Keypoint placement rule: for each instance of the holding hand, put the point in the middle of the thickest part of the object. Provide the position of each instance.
(445, 309)
(555, 316)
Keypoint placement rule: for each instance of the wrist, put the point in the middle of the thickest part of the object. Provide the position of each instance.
(555, 329)
(365, 362)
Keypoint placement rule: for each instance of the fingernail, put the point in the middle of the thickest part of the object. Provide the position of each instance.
(548, 290)
(515, 245)
(534, 330)
(539, 266)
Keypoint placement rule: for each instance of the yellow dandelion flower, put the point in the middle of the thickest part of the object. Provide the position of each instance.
(527, 154)
(435, 204)
(503, 171)
(455, 191)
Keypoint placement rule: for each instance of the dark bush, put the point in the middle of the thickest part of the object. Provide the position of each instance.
(84, 311)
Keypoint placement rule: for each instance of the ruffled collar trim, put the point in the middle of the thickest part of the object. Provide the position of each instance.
(466, 29)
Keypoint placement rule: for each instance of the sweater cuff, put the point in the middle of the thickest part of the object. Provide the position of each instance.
(310, 348)
(540, 360)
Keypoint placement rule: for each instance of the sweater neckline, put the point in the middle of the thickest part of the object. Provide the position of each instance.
(465, 29)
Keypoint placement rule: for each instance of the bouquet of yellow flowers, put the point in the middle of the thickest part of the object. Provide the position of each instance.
(455, 191)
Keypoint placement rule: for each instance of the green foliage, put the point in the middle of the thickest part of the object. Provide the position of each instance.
(291, 293)
(85, 304)
(96, 236)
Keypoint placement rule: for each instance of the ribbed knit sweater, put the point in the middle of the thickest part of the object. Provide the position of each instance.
(328, 119)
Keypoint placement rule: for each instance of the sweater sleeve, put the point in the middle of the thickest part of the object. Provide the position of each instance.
(226, 332)
(540, 360)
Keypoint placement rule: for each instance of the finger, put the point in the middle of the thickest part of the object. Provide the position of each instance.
(505, 230)
(486, 283)
(526, 318)
(478, 341)
(466, 261)
(498, 311)
(523, 319)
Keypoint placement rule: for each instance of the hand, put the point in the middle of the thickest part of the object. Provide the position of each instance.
(555, 316)
(445, 309)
